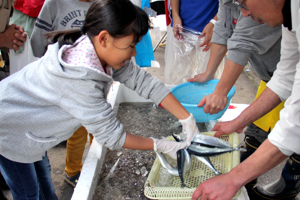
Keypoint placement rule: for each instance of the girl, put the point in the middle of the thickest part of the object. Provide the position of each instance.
(44, 103)
(58, 15)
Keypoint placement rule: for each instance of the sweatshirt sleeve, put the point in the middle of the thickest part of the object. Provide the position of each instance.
(242, 35)
(139, 80)
(43, 25)
(250, 37)
(286, 83)
(86, 101)
(221, 33)
(283, 78)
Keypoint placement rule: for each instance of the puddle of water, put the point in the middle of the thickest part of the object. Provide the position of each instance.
(125, 171)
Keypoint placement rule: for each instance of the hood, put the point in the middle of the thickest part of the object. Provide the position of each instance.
(57, 66)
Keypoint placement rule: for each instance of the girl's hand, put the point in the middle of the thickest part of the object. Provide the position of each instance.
(189, 127)
(168, 147)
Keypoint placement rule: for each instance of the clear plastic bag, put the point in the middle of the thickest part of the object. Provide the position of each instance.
(184, 58)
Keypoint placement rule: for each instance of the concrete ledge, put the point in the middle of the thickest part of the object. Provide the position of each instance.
(90, 171)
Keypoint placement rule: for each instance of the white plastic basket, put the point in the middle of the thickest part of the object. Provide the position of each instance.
(198, 173)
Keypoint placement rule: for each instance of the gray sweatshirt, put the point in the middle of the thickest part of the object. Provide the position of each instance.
(45, 102)
(247, 40)
(56, 15)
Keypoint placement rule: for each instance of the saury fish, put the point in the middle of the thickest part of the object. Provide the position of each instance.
(206, 161)
(210, 141)
(183, 159)
(165, 164)
(170, 168)
(199, 150)
(202, 146)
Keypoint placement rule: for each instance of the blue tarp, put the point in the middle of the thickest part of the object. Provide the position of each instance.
(144, 49)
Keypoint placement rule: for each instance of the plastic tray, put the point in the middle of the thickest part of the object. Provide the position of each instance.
(196, 175)
(190, 94)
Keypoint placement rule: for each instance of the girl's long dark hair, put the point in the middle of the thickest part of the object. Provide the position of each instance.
(119, 17)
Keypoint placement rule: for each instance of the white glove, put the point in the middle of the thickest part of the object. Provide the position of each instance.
(189, 128)
(168, 147)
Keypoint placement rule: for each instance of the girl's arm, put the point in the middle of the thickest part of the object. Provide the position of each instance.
(158, 145)
(138, 143)
(189, 126)
(171, 104)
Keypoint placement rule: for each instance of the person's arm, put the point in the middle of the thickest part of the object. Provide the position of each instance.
(43, 25)
(216, 101)
(138, 142)
(225, 186)
(177, 22)
(171, 104)
(218, 47)
(149, 87)
(278, 88)
(13, 37)
(189, 126)
(248, 37)
(286, 83)
(217, 53)
(159, 145)
(267, 101)
(207, 32)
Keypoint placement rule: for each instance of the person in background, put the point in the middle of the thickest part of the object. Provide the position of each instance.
(283, 140)
(25, 14)
(247, 40)
(67, 88)
(11, 36)
(57, 15)
(198, 15)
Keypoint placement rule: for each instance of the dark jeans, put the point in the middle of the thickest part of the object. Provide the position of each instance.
(28, 181)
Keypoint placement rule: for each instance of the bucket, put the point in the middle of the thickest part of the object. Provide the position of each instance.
(190, 94)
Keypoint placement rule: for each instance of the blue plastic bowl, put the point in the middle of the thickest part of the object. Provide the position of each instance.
(190, 94)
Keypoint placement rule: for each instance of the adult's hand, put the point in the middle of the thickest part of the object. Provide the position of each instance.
(216, 188)
(207, 33)
(225, 186)
(201, 78)
(13, 37)
(213, 103)
(226, 128)
(20, 37)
